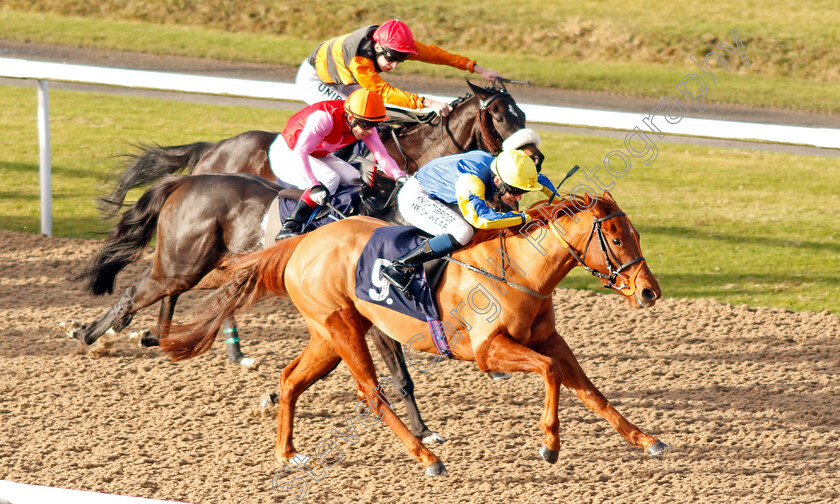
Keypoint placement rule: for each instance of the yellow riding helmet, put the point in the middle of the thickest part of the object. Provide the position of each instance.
(365, 105)
(516, 169)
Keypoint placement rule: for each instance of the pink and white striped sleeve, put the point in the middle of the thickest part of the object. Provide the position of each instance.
(381, 156)
(318, 125)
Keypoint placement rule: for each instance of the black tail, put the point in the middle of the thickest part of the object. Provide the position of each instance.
(128, 239)
(150, 165)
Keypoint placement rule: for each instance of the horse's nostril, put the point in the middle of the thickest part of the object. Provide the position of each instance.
(648, 294)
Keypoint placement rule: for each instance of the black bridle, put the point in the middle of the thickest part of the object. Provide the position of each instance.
(481, 118)
(614, 267)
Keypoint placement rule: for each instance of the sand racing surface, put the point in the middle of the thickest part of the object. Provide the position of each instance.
(748, 399)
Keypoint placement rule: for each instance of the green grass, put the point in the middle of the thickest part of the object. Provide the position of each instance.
(792, 50)
(736, 225)
(87, 129)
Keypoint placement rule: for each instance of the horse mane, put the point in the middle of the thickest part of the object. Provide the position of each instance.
(537, 211)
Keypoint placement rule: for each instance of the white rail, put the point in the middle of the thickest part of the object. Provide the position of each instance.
(627, 121)
(19, 493)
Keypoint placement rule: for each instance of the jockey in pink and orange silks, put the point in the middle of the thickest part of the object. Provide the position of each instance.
(302, 156)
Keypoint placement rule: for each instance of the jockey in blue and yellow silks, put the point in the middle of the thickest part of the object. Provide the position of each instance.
(453, 195)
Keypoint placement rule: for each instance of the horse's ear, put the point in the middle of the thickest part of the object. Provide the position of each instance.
(479, 91)
(607, 196)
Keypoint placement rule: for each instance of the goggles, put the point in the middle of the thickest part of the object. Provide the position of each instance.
(393, 56)
(513, 191)
(364, 123)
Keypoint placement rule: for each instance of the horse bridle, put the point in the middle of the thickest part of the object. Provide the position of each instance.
(614, 267)
(482, 114)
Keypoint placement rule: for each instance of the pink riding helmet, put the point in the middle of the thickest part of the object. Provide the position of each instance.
(395, 35)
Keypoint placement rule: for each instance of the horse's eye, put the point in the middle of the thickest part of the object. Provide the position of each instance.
(616, 241)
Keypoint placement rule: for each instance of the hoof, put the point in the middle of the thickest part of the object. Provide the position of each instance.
(269, 400)
(137, 337)
(433, 437)
(299, 460)
(499, 375)
(657, 448)
(436, 469)
(248, 362)
(550, 456)
(70, 328)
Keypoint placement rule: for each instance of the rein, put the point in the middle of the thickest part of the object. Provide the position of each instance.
(628, 287)
(504, 278)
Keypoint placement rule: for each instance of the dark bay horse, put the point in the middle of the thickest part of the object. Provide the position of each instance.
(518, 336)
(200, 220)
(482, 120)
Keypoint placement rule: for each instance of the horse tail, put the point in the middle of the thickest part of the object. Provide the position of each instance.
(128, 239)
(150, 165)
(249, 279)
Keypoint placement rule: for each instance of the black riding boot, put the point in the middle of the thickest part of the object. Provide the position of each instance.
(399, 272)
(293, 225)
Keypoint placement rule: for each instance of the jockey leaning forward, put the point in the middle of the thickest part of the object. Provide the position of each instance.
(302, 155)
(341, 65)
(451, 196)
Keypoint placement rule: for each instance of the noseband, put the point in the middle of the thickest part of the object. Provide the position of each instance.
(614, 269)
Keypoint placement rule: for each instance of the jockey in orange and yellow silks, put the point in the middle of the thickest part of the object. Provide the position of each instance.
(340, 65)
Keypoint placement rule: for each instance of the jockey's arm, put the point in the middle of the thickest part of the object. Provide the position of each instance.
(436, 55)
(318, 125)
(381, 156)
(367, 77)
(547, 187)
(470, 192)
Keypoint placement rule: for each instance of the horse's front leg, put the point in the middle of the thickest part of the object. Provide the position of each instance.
(575, 379)
(502, 353)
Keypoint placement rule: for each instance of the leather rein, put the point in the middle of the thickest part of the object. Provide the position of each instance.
(614, 268)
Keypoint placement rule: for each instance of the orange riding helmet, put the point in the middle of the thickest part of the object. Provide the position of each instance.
(365, 106)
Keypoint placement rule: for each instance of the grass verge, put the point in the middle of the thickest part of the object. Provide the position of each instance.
(652, 69)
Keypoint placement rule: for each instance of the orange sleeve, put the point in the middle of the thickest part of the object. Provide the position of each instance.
(367, 77)
(437, 56)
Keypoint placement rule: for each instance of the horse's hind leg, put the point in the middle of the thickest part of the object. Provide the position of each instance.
(116, 317)
(392, 354)
(575, 379)
(347, 329)
(147, 338)
(315, 362)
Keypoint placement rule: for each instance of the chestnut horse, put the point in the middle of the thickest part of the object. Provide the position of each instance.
(479, 121)
(519, 336)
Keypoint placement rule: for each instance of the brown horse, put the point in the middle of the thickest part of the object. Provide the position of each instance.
(517, 335)
(479, 121)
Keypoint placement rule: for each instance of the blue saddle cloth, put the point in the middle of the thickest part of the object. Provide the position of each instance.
(386, 244)
(346, 199)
